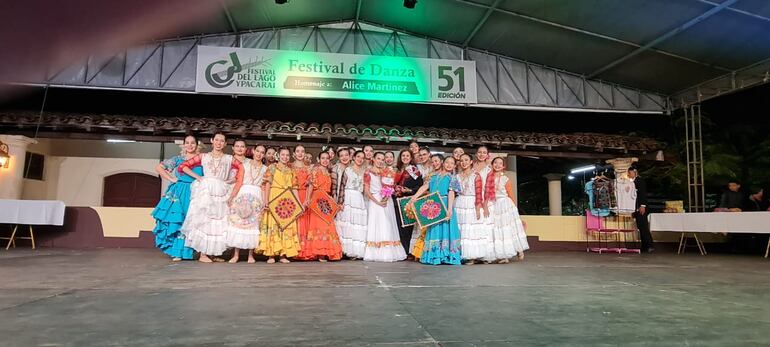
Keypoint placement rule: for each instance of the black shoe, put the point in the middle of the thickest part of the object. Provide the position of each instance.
(650, 250)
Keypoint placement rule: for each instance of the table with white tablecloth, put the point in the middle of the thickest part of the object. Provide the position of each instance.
(711, 222)
(30, 213)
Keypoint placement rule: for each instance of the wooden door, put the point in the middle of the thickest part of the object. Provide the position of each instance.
(131, 190)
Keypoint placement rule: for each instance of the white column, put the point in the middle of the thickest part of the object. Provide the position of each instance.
(554, 193)
(621, 165)
(12, 178)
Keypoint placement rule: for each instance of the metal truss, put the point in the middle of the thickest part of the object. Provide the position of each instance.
(750, 76)
(169, 66)
(696, 194)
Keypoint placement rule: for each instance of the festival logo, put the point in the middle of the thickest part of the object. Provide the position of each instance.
(223, 78)
(254, 74)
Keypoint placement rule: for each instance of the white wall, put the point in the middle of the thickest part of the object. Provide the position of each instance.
(102, 149)
(75, 169)
(79, 181)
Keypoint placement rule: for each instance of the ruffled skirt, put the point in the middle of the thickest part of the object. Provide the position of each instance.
(475, 234)
(352, 224)
(206, 225)
(244, 218)
(383, 243)
(508, 233)
(169, 216)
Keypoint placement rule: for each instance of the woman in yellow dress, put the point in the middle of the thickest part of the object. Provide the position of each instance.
(274, 241)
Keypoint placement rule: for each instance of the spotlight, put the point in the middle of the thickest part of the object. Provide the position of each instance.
(281, 2)
(570, 177)
(582, 169)
(407, 3)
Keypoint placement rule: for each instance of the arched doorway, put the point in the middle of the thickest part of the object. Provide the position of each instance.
(131, 190)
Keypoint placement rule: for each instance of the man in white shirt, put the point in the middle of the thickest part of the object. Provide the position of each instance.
(423, 161)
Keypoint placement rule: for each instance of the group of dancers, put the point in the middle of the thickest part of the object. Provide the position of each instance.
(218, 201)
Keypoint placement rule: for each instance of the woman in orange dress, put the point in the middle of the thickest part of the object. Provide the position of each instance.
(321, 240)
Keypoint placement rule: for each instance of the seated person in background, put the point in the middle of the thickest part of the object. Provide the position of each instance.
(751, 243)
(758, 201)
(733, 199)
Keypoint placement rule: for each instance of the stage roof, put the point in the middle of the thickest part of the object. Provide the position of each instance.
(664, 46)
(630, 56)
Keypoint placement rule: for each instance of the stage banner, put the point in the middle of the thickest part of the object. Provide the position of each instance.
(247, 71)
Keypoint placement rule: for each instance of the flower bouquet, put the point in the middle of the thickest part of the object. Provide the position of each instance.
(388, 185)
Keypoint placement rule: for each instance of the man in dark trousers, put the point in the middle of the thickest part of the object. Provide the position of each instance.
(641, 209)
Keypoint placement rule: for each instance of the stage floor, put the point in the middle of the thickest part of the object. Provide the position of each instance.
(136, 297)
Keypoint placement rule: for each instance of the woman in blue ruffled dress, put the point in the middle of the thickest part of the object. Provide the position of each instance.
(172, 207)
(442, 240)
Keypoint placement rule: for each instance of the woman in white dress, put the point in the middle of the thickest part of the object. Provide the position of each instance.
(390, 160)
(352, 216)
(382, 240)
(475, 233)
(368, 156)
(457, 153)
(205, 227)
(509, 235)
(337, 170)
(246, 210)
(483, 168)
